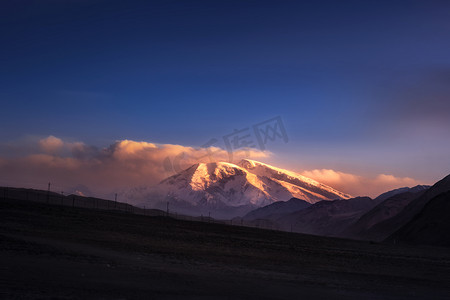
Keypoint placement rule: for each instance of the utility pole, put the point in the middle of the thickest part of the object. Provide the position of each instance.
(48, 193)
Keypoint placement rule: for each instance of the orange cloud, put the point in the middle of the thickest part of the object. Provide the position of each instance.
(127, 163)
(358, 185)
(122, 165)
(51, 144)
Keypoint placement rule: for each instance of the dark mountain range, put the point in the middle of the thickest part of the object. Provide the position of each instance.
(273, 210)
(327, 218)
(386, 195)
(362, 228)
(398, 216)
(431, 226)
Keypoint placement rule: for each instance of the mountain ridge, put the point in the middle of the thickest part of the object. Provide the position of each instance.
(227, 190)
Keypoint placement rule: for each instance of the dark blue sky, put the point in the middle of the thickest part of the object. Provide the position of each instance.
(361, 86)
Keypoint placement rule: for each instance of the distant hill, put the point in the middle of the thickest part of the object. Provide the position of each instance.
(277, 208)
(328, 218)
(364, 228)
(386, 195)
(398, 216)
(431, 226)
(73, 200)
(353, 218)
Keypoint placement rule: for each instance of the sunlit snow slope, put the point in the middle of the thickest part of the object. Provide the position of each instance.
(233, 189)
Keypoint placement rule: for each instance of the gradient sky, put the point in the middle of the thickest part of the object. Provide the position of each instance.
(362, 87)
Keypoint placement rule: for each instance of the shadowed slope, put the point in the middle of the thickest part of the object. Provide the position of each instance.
(431, 226)
(385, 228)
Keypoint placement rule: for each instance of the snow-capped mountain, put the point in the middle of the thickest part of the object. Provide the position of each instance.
(227, 190)
(299, 186)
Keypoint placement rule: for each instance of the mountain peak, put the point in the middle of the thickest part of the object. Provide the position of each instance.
(220, 186)
(206, 174)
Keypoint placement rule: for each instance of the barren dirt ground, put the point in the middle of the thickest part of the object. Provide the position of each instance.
(56, 252)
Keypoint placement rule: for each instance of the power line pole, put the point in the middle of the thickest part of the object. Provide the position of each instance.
(167, 208)
(48, 193)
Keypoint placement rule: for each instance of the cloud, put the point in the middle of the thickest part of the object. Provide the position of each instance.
(51, 144)
(359, 185)
(123, 164)
(126, 164)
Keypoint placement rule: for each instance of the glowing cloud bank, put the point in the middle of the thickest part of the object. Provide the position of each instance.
(126, 164)
(359, 185)
(123, 164)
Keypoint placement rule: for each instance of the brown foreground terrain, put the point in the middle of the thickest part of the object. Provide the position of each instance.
(61, 252)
